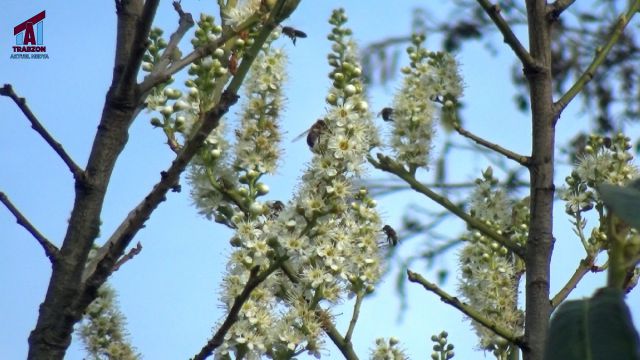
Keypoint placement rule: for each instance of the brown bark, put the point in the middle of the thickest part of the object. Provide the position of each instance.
(540, 242)
(52, 334)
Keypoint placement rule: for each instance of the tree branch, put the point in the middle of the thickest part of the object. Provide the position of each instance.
(520, 159)
(138, 46)
(585, 266)
(601, 54)
(354, 316)
(130, 255)
(385, 163)
(467, 310)
(255, 279)
(185, 22)
(50, 250)
(344, 345)
(7, 90)
(558, 7)
(529, 63)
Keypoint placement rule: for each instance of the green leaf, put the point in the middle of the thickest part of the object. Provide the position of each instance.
(598, 328)
(624, 201)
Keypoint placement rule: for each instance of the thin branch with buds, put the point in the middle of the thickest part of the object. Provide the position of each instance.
(601, 54)
(467, 310)
(345, 346)
(50, 250)
(529, 63)
(520, 159)
(7, 90)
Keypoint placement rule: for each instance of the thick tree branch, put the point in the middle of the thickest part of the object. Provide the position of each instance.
(585, 266)
(601, 54)
(558, 7)
(138, 46)
(7, 90)
(50, 250)
(387, 164)
(255, 279)
(467, 310)
(529, 63)
(520, 159)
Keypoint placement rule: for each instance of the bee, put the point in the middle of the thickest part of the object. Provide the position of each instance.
(293, 34)
(313, 134)
(275, 208)
(392, 237)
(386, 113)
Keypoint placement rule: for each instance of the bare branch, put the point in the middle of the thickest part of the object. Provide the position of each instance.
(601, 54)
(467, 310)
(130, 255)
(50, 250)
(185, 23)
(585, 266)
(7, 90)
(385, 163)
(520, 159)
(558, 7)
(529, 63)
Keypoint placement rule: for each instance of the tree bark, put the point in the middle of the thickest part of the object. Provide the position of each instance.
(540, 241)
(57, 316)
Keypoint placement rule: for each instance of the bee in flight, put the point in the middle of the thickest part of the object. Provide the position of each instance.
(392, 237)
(293, 33)
(313, 134)
(386, 113)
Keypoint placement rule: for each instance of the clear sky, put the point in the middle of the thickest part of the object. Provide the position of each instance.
(169, 292)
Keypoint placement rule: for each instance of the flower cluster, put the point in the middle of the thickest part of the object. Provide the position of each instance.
(323, 244)
(387, 350)
(442, 350)
(490, 273)
(604, 160)
(431, 77)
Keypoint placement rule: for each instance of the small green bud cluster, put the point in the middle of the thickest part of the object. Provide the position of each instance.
(154, 51)
(489, 272)
(431, 77)
(206, 31)
(442, 350)
(387, 350)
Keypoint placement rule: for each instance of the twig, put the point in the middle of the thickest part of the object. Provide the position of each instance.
(255, 279)
(133, 252)
(558, 7)
(585, 266)
(185, 22)
(7, 90)
(50, 250)
(467, 310)
(385, 163)
(520, 159)
(345, 346)
(529, 63)
(354, 316)
(601, 54)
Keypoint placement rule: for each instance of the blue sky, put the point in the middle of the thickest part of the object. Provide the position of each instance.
(169, 292)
